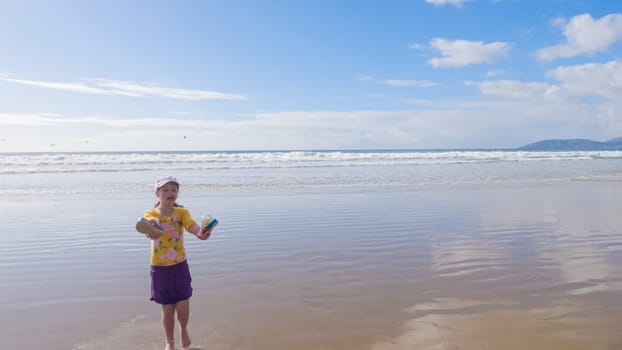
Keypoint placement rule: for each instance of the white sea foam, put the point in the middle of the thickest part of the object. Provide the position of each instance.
(88, 173)
(144, 161)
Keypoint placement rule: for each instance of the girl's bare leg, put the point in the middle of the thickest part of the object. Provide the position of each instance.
(183, 315)
(168, 324)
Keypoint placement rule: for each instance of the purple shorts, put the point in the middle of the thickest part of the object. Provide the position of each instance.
(171, 284)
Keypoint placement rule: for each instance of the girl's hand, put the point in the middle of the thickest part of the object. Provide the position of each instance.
(204, 234)
(156, 224)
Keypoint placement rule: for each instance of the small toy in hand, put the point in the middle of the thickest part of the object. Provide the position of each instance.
(145, 227)
(208, 222)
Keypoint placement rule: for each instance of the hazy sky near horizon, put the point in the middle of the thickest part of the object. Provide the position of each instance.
(322, 74)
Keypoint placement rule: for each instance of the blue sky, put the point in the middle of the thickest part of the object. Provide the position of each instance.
(243, 75)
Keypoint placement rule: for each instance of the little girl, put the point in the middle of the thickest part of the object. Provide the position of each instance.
(170, 275)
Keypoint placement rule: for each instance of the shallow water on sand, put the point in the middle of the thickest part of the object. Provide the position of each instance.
(465, 267)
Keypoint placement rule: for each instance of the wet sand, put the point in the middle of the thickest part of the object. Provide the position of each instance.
(466, 267)
(461, 324)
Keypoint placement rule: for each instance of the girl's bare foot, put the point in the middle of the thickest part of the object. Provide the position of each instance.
(185, 340)
(170, 345)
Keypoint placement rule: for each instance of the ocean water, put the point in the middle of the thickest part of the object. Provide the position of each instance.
(384, 250)
(84, 173)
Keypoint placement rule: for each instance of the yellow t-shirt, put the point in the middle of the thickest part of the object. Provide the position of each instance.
(169, 248)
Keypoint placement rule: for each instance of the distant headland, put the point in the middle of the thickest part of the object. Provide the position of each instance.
(574, 145)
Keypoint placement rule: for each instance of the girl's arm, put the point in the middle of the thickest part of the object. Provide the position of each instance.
(155, 223)
(200, 232)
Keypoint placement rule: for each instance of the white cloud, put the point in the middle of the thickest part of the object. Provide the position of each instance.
(134, 89)
(73, 87)
(579, 81)
(275, 130)
(495, 73)
(408, 83)
(49, 119)
(459, 53)
(584, 36)
(457, 3)
(452, 125)
(127, 88)
(26, 119)
(517, 113)
(364, 78)
(518, 90)
(399, 82)
(592, 79)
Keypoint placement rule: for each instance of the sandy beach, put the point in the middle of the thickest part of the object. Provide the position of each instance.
(402, 175)
(461, 267)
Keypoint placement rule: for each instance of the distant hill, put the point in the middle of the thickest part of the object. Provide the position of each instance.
(574, 145)
(616, 140)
